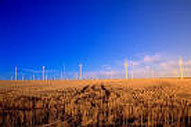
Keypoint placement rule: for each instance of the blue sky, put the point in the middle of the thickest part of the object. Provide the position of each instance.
(98, 33)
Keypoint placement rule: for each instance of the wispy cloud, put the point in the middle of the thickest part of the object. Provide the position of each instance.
(152, 58)
(147, 65)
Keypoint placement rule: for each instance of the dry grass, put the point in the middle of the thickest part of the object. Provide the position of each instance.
(96, 103)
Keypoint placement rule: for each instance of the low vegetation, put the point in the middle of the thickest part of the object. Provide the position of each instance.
(96, 103)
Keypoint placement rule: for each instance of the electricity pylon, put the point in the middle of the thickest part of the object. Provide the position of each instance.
(80, 71)
(126, 70)
(43, 70)
(23, 78)
(64, 71)
(132, 71)
(11, 77)
(33, 77)
(152, 72)
(181, 68)
(132, 74)
(61, 75)
(15, 73)
(148, 72)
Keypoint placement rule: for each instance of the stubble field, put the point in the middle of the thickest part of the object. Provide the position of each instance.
(96, 103)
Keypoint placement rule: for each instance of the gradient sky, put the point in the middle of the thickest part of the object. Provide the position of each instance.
(98, 33)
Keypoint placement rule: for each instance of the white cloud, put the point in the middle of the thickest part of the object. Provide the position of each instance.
(156, 65)
(152, 58)
(169, 64)
(135, 63)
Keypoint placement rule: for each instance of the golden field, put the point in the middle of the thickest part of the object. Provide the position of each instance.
(96, 103)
